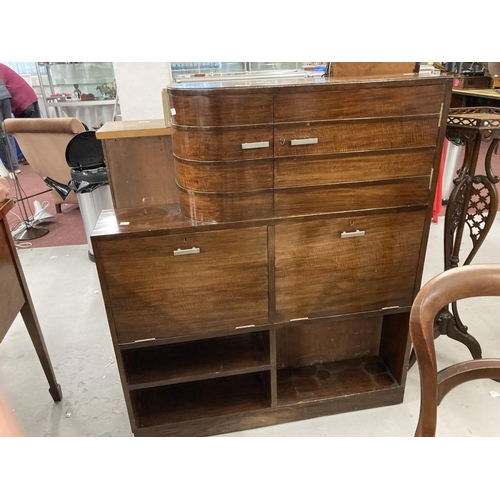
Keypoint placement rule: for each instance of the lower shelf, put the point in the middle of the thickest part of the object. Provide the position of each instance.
(332, 380)
(201, 399)
(325, 388)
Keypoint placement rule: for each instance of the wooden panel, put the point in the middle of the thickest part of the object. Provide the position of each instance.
(224, 177)
(350, 197)
(310, 171)
(155, 294)
(226, 207)
(321, 342)
(221, 144)
(360, 103)
(319, 274)
(395, 344)
(141, 171)
(221, 109)
(13, 297)
(358, 135)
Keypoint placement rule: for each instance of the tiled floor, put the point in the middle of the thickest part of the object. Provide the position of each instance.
(67, 297)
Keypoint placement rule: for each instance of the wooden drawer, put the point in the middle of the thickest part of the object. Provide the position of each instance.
(222, 109)
(213, 144)
(352, 167)
(351, 196)
(357, 135)
(320, 274)
(154, 293)
(226, 207)
(224, 177)
(328, 104)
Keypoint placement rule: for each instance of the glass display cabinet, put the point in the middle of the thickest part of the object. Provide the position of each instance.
(85, 90)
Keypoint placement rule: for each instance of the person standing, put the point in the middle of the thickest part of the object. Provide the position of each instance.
(17, 98)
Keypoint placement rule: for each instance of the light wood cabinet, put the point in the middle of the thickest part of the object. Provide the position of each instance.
(298, 263)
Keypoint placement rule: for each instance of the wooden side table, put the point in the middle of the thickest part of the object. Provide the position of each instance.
(473, 204)
(140, 162)
(15, 297)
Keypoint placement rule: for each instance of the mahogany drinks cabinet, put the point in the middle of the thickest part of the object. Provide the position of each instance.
(279, 288)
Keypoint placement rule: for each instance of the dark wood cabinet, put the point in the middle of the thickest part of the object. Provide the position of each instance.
(279, 288)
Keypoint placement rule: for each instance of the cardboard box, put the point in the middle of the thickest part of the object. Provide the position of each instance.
(357, 69)
(472, 82)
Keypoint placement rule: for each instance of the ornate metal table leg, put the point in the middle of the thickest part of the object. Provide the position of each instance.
(473, 203)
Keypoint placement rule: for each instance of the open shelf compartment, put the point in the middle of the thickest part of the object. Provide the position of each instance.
(202, 399)
(332, 380)
(196, 360)
(340, 358)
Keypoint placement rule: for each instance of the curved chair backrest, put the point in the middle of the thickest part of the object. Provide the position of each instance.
(43, 142)
(477, 280)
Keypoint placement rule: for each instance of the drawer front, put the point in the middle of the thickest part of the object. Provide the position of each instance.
(362, 135)
(354, 167)
(216, 110)
(224, 177)
(226, 207)
(319, 273)
(361, 103)
(219, 281)
(348, 197)
(223, 144)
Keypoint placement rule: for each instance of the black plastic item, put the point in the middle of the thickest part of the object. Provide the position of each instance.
(85, 156)
(84, 150)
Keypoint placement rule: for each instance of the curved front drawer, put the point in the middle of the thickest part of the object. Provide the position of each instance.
(224, 177)
(226, 207)
(221, 108)
(222, 144)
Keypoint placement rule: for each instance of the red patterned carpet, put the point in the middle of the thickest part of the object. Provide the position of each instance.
(65, 228)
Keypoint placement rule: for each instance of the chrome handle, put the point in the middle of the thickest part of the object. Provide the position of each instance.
(186, 251)
(255, 145)
(353, 234)
(301, 142)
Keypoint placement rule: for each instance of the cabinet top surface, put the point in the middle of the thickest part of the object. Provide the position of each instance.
(133, 128)
(308, 82)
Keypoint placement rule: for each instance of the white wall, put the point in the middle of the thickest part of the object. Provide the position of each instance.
(139, 87)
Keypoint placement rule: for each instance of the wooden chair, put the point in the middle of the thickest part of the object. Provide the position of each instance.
(478, 280)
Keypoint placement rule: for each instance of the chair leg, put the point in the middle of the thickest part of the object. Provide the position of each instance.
(58, 208)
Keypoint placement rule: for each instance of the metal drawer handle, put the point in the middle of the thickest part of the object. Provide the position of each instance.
(255, 145)
(186, 251)
(301, 142)
(353, 234)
